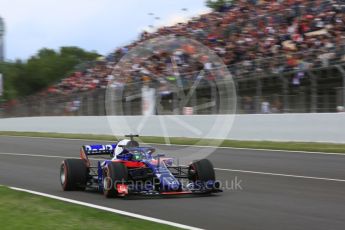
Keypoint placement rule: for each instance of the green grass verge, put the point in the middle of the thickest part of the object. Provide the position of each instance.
(292, 146)
(21, 210)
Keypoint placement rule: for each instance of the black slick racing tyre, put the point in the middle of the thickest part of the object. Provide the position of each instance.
(201, 170)
(73, 174)
(114, 173)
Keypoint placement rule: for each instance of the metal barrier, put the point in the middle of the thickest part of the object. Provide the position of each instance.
(319, 90)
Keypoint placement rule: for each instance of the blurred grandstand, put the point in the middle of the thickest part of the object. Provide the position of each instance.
(285, 56)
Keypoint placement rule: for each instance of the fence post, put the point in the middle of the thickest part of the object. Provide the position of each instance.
(128, 100)
(285, 84)
(258, 94)
(84, 104)
(89, 104)
(342, 71)
(214, 109)
(101, 102)
(116, 104)
(302, 101)
(313, 99)
(43, 107)
(326, 105)
(176, 100)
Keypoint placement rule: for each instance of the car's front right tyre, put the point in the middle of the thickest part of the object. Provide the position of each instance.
(115, 173)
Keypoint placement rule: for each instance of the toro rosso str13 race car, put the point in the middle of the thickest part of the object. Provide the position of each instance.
(132, 169)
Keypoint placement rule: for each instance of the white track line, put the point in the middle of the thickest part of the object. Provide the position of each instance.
(197, 146)
(130, 214)
(38, 155)
(260, 150)
(219, 169)
(47, 156)
(282, 175)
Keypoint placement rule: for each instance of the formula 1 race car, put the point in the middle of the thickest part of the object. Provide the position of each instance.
(131, 169)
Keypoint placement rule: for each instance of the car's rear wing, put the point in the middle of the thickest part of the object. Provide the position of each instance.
(94, 150)
(90, 150)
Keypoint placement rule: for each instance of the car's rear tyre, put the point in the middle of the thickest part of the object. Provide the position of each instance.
(114, 173)
(201, 170)
(73, 174)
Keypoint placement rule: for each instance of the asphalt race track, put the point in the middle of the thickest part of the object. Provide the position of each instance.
(280, 190)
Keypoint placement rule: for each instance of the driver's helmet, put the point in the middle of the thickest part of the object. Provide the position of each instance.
(120, 147)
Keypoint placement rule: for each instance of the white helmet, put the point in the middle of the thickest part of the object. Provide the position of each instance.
(120, 147)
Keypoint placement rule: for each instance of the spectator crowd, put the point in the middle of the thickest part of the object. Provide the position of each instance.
(250, 36)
